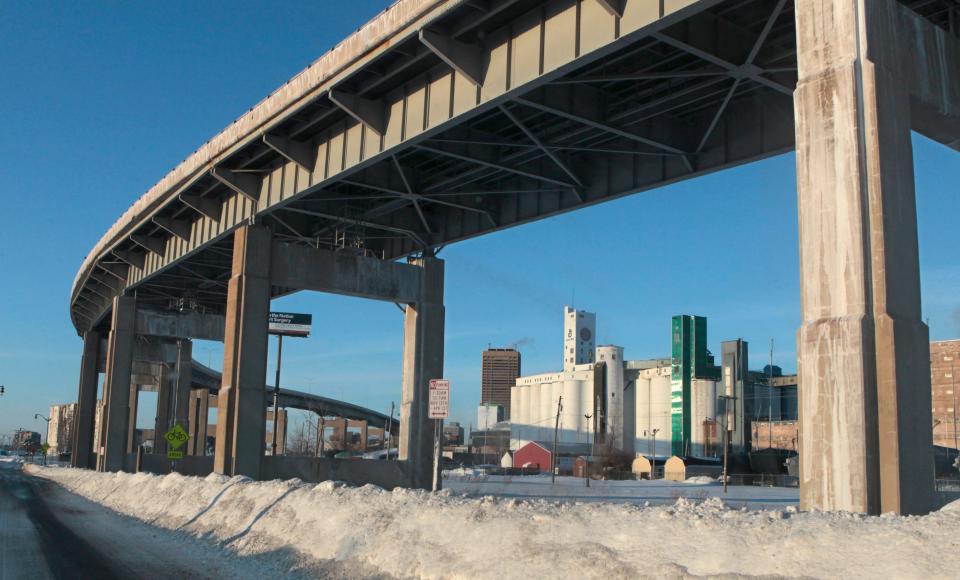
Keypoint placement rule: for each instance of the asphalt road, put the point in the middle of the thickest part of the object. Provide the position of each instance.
(46, 532)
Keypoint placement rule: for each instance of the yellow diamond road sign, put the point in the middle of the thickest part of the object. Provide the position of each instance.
(176, 437)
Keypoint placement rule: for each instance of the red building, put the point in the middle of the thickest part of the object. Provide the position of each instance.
(532, 454)
(537, 454)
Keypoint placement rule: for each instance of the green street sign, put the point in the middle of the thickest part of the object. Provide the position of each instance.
(176, 437)
(171, 454)
(45, 447)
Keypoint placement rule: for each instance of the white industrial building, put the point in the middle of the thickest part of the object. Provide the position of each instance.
(629, 402)
(592, 378)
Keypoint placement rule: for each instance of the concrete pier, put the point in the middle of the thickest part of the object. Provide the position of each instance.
(86, 401)
(120, 343)
(197, 424)
(865, 425)
(240, 415)
(423, 336)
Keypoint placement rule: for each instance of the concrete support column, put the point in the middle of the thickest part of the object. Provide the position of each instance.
(132, 417)
(116, 389)
(197, 425)
(240, 420)
(165, 386)
(182, 378)
(86, 401)
(339, 427)
(422, 361)
(865, 421)
(280, 424)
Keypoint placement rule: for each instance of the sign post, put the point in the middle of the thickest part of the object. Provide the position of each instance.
(284, 324)
(439, 409)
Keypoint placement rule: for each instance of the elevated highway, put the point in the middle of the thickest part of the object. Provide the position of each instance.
(442, 120)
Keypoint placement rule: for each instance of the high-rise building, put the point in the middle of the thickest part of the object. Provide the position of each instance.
(501, 367)
(579, 337)
(60, 428)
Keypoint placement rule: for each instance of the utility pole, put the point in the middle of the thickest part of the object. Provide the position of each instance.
(953, 387)
(556, 432)
(276, 395)
(587, 416)
(770, 399)
(728, 400)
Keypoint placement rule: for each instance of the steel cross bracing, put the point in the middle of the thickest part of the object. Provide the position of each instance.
(687, 93)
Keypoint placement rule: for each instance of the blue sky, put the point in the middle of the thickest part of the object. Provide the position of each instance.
(101, 99)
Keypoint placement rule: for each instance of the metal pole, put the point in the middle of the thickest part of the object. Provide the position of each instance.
(726, 445)
(953, 386)
(436, 454)
(556, 431)
(653, 458)
(276, 395)
(770, 400)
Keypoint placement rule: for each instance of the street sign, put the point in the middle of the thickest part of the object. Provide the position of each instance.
(289, 323)
(439, 401)
(176, 437)
(172, 454)
(45, 447)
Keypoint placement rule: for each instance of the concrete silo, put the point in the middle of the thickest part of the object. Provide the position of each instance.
(535, 411)
(652, 412)
(572, 419)
(612, 356)
(705, 440)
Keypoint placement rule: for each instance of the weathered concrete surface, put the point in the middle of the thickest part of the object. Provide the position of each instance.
(86, 401)
(304, 268)
(183, 380)
(865, 443)
(240, 418)
(180, 325)
(931, 59)
(165, 380)
(422, 360)
(197, 423)
(116, 387)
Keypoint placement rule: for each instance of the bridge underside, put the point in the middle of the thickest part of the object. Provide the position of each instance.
(474, 116)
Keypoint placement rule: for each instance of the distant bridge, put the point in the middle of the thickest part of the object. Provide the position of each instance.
(206, 378)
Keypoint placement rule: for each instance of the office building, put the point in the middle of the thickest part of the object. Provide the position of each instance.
(501, 367)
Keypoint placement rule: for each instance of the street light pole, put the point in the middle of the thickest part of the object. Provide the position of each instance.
(276, 395)
(47, 435)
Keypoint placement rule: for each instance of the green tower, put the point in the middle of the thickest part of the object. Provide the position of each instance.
(689, 359)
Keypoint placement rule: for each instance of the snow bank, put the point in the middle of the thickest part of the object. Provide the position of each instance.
(416, 534)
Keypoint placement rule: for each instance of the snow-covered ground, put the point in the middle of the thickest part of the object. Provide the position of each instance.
(367, 531)
(657, 492)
